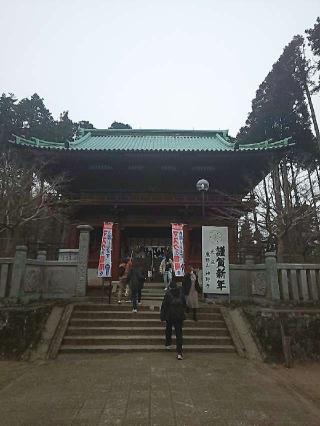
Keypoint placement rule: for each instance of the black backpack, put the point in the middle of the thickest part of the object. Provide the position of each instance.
(176, 308)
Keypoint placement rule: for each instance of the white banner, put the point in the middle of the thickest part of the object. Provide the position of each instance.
(177, 249)
(105, 260)
(215, 259)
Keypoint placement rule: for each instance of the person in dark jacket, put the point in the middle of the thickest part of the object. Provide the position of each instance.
(173, 312)
(191, 289)
(135, 280)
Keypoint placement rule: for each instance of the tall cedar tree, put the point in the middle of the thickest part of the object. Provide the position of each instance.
(30, 118)
(313, 35)
(279, 109)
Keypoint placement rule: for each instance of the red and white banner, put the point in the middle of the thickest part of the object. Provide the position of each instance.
(105, 259)
(177, 249)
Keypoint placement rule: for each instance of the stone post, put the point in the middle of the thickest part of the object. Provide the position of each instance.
(4, 272)
(82, 271)
(273, 291)
(249, 259)
(18, 271)
(42, 255)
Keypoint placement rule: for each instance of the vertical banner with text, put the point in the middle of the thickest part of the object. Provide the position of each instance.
(215, 259)
(105, 259)
(177, 249)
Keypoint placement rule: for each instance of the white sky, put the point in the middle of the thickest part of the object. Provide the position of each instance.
(153, 64)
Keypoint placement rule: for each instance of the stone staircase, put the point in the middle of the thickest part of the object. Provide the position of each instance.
(99, 327)
(153, 292)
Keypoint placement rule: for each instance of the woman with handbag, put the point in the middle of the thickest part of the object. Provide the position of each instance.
(191, 289)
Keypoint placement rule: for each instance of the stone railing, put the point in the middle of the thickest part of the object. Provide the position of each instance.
(68, 277)
(299, 282)
(25, 278)
(5, 274)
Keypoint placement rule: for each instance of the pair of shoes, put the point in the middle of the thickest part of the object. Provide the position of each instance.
(139, 303)
(179, 357)
(119, 302)
(168, 347)
(134, 310)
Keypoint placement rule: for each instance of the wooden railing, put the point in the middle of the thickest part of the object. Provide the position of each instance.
(156, 198)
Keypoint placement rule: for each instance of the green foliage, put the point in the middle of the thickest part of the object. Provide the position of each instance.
(20, 329)
(118, 125)
(313, 35)
(29, 117)
(279, 109)
(304, 331)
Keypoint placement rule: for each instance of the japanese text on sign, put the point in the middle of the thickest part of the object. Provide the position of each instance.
(215, 260)
(105, 259)
(177, 249)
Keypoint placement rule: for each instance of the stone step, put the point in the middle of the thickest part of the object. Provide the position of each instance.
(143, 340)
(141, 314)
(154, 285)
(139, 322)
(125, 306)
(124, 331)
(144, 348)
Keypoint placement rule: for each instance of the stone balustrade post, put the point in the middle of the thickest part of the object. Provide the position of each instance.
(273, 291)
(83, 257)
(249, 259)
(18, 271)
(42, 255)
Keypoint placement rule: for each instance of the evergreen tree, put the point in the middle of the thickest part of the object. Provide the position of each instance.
(35, 119)
(9, 123)
(64, 128)
(118, 125)
(82, 124)
(313, 35)
(279, 109)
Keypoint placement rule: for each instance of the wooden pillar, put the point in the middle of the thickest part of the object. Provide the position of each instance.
(186, 234)
(116, 251)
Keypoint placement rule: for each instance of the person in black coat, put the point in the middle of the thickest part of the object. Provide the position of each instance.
(136, 279)
(173, 312)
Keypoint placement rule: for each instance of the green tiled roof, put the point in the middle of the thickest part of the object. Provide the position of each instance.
(152, 140)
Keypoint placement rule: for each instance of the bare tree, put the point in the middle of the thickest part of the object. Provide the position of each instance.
(287, 210)
(26, 197)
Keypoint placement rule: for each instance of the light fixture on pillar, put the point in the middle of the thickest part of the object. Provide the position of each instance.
(202, 186)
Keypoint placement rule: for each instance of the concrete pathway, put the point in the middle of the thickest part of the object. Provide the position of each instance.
(152, 389)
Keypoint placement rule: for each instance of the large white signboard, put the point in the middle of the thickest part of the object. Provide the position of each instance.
(215, 259)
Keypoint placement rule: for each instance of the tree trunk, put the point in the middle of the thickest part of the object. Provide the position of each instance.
(313, 198)
(318, 177)
(286, 186)
(277, 189)
(313, 114)
(254, 212)
(294, 185)
(267, 205)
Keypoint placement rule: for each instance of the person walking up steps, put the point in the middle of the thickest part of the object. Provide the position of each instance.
(122, 280)
(135, 279)
(166, 269)
(173, 312)
(191, 289)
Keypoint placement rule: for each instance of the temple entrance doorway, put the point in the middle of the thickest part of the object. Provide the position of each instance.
(153, 242)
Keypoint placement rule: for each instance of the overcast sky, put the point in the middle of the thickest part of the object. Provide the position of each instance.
(150, 63)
